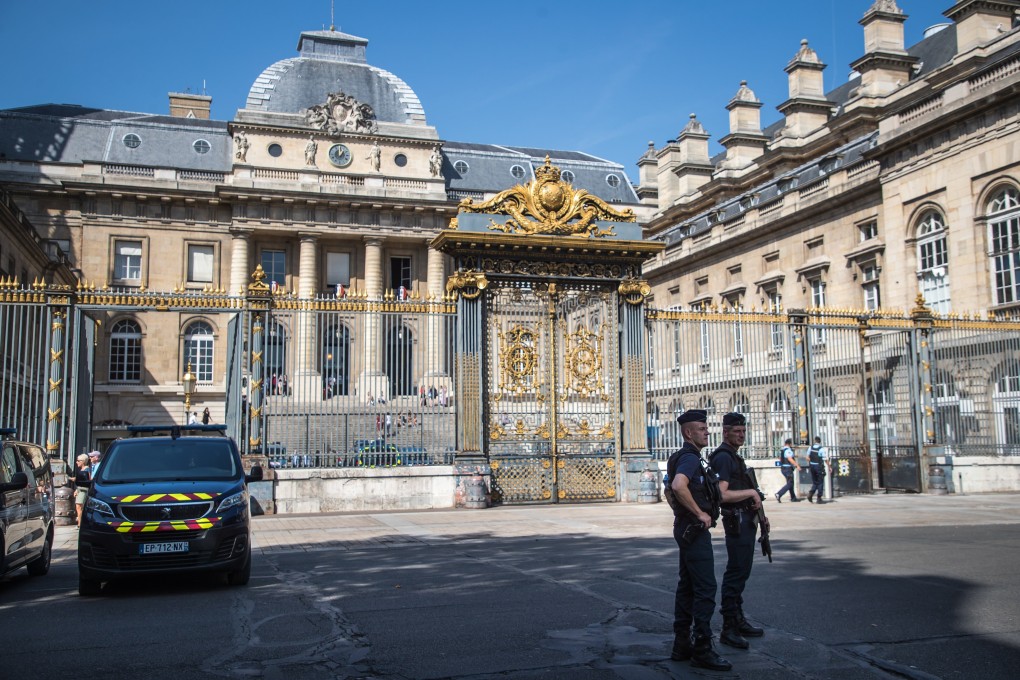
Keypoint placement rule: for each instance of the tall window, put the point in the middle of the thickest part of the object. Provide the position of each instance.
(677, 344)
(198, 350)
(127, 261)
(818, 301)
(1004, 226)
(125, 352)
(775, 302)
(780, 418)
(706, 344)
(200, 264)
(872, 294)
(275, 352)
(400, 273)
(338, 270)
(650, 347)
(737, 327)
(274, 264)
(933, 261)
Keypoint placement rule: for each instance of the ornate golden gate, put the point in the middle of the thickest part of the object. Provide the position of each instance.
(551, 389)
(549, 333)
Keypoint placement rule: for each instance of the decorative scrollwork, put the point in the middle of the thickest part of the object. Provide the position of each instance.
(584, 362)
(258, 283)
(548, 205)
(469, 283)
(518, 361)
(634, 291)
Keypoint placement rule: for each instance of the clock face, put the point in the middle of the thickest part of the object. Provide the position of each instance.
(340, 155)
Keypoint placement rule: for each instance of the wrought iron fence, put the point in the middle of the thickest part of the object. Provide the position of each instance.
(875, 387)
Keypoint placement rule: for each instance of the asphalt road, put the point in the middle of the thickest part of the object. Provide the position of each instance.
(867, 590)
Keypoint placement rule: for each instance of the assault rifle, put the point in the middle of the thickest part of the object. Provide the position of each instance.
(763, 521)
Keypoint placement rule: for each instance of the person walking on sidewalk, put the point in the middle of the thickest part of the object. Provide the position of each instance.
(692, 492)
(818, 464)
(788, 461)
(740, 503)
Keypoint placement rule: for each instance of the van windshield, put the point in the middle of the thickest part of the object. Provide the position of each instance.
(164, 459)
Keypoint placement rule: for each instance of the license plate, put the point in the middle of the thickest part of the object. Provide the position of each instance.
(154, 548)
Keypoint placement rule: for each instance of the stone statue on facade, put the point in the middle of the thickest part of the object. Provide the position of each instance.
(375, 156)
(436, 162)
(242, 144)
(310, 148)
(341, 113)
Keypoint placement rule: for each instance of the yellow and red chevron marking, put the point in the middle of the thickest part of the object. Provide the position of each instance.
(165, 497)
(173, 525)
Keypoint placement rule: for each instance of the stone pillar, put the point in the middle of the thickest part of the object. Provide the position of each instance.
(304, 325)
(636, 456)
(372, 380)
(436, 331)
(238, 260)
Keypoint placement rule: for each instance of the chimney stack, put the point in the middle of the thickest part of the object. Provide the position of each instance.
(187, 105)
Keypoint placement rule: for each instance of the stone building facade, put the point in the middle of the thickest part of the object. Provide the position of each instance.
(330, 178)
(902, 180)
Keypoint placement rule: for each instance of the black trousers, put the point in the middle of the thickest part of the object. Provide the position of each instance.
(817, 480)
(739, 560)
(695, 591)
(788, 474)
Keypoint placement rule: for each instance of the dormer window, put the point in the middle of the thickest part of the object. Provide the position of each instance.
(828, 164)
(786, 185)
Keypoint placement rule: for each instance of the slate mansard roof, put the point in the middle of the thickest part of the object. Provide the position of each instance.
(65, 133)
(490, 167)
(331, 61)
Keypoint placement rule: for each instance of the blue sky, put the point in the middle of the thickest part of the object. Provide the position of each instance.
(595, 76)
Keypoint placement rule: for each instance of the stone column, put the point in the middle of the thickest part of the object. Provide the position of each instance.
(372, 380)
(239, 268)
(304, 325)
(436, 332)
(636, 458)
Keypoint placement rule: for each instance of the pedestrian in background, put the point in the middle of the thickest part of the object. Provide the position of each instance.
(693, 494)
(739, 509)
(818, 464)
(94, 459)
(81, 483)
(788, 461)
(206, 416)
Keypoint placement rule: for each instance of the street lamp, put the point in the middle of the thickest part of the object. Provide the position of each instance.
(189, 389)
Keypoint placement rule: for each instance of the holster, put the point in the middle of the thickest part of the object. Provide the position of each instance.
(731, 521)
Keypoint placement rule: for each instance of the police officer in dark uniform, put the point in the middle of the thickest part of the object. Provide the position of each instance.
(740, 503)
(693, 494)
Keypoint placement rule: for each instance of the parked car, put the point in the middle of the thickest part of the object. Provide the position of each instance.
(173, 501)
(26, 506)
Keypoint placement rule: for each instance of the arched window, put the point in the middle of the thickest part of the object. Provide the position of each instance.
(126, 352)
(198, 350)
(1006, 402)
(336, 360)
(399, 358)
(740, 404)
(780, 418)
(276, 354)
(933, 261)
(1004, 235)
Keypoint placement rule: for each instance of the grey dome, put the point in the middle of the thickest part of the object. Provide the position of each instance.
(331, 61)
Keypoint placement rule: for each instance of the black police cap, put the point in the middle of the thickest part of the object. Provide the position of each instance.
(694, 415)
(731, 419)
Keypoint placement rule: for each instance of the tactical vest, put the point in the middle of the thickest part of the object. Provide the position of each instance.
(739, 481)
(704, 491)
(813, 454)
(782, 456)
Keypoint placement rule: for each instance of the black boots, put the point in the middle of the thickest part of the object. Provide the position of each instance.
(746, 629)
(703, 656)
(731, 633)
(811, 497)
(681, 647)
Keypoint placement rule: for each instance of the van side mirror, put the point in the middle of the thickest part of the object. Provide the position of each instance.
(256, 474)
(19, 480)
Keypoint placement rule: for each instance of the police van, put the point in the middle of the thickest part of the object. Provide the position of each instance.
(168, 499)
(26, 506)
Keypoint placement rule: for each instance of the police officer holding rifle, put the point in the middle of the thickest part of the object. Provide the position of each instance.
(741, 503)
(692, 492)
